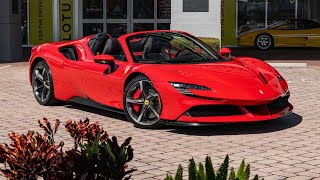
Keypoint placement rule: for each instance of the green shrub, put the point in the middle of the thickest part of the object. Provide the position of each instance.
(182, 43)
(207, 172)
(213, 42)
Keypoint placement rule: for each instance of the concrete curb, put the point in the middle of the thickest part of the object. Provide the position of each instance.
(289, 65)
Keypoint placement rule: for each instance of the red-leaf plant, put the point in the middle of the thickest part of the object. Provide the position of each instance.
(33, 155)
(103, 157)
(83, 132)
(94, 155)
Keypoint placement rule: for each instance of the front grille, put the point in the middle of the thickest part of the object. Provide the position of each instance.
(217, 110)
(278, 104)
(273, 107)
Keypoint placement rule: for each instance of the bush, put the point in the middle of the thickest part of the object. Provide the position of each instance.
(213, 42)
(94, 155)
(207, 172)
(31, 155)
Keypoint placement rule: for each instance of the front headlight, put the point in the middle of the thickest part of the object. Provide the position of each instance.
(285, 93)
(184, 88)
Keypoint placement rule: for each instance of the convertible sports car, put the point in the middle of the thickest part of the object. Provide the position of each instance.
(158, 77)
(289, 33)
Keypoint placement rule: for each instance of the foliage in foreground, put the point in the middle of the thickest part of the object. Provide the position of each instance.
(94, 155)
(206, 172)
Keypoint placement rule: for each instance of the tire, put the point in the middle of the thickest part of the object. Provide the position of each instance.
(142, 103)
(42, 84)
(264, 41)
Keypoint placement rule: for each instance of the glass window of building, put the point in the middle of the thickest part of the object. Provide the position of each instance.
(117, 9)
(251, 15)
(279, 10)
(92, 9)
(117, 29)
(24, 22)
(164, 9)
(92, 28)
(142, 27)
(143, 9)
(163, 26)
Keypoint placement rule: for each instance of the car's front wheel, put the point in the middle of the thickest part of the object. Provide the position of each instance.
(42, 84)
(142, 103)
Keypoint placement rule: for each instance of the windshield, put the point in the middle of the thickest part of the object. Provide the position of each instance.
(168, 47)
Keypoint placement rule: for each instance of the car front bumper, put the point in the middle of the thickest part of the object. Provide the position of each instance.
(179, 108)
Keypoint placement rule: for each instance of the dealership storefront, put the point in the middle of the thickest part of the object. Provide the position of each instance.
(68, 19)
(60, 20)
(56, 20)
(242, 16)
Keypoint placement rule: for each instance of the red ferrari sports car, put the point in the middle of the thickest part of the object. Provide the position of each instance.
(158, 77)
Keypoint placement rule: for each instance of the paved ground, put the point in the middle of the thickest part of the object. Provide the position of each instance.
(279, 149)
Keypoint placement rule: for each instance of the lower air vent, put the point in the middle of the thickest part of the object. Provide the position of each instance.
(217, 110)
(278, 104)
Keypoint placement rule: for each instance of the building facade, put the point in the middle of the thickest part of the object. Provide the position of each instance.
(55, 20)
(242, 16)
(41, 21)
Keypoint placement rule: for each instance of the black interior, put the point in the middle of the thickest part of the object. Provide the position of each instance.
(101, 43)
(97, 43)
(153, 49)
(69, 52)
(113, 48)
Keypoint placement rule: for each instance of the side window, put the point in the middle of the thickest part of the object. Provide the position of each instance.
(301, 25)
(69, 52)
(311, 25)
(289, 26)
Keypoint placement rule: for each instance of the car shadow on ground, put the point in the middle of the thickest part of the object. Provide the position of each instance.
(97, 111)
(279, 124)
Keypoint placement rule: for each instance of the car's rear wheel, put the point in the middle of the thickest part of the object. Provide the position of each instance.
(42, 84)
(142, 103)
(264, 41)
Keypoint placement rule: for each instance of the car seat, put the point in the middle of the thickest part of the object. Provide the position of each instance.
(113, 48)
(97, 43)
(154, 50)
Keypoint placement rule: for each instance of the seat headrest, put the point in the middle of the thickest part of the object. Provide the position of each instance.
(112, 47)
(153, 45)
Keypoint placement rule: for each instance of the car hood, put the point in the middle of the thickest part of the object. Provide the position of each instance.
(241, 78)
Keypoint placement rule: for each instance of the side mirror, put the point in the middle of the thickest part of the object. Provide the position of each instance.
(226, 52)
(104, 59)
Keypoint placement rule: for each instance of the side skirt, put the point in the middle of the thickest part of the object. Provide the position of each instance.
(185, 124)
(91, 103)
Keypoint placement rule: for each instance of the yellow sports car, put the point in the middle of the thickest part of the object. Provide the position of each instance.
(288, 33)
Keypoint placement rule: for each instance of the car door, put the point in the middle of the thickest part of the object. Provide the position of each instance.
(291, 34)
(70, 74)
(97, 82)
